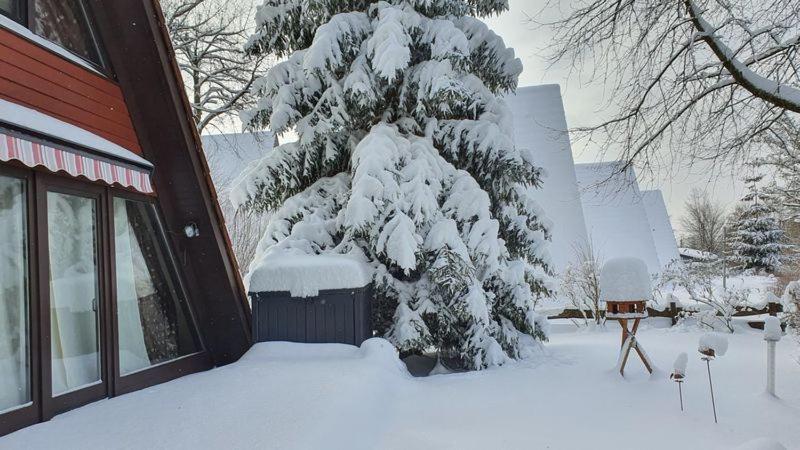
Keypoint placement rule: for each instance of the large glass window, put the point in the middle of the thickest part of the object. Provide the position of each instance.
(74, 291)
(66, 22)
(153, 324)
(14, 333)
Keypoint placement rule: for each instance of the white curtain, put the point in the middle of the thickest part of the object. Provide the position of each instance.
(74, 293)
(133, 283)
(14, 369)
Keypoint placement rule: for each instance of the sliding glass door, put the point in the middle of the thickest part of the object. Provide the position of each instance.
(91, 301)
(75, 360)
(15, 367)
(74, 294)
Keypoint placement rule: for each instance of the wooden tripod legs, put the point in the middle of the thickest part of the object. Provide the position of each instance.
(629, 342)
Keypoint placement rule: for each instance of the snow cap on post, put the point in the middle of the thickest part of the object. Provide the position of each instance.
(772, 329)
(679, 368)
(625, 279)
(713, 344)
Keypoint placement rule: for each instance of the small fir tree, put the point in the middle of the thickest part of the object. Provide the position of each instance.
(405, 158)
(756, 235)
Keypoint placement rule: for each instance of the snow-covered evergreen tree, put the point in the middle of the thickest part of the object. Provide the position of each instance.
(406, 159)
(757, 238)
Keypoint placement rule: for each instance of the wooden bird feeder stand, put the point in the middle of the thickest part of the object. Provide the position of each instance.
(624, 311)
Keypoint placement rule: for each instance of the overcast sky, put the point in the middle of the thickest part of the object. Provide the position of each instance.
(586, 104)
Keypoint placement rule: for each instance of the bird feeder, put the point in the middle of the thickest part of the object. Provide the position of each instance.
(625, 288)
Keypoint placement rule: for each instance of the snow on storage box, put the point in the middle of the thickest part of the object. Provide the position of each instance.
(310, 298)
(615, 216)
(540, 127)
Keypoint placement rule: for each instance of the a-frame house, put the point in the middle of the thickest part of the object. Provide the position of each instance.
(116, 272)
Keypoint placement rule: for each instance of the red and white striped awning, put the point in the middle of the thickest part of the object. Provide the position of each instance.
(34, 154)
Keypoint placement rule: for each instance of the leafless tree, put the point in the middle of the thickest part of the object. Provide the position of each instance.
(208, 37)
(782, 154)
(580, 284)
(703, 223)
(245, 226)
(702, 78)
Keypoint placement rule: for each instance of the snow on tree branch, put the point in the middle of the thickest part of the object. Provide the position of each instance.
(699, 79)
(404, 160)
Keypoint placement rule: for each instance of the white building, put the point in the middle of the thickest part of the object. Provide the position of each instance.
(540, 126)
(663, 234)
(615, 214)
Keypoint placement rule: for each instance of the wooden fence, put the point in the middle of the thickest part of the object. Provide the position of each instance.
(673, 312)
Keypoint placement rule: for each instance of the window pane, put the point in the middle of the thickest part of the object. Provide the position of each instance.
(66, 23)
(14, 345)
(153, 325)
(11, 8)
(74, 292)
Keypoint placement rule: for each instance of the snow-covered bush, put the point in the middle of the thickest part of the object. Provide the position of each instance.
(699, 281)
(791, 307)
(580, 284)
(405, 158)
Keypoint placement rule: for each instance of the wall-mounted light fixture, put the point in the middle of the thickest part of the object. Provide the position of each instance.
(191, 230)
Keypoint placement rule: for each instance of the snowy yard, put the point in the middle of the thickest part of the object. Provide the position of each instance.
(289, 396)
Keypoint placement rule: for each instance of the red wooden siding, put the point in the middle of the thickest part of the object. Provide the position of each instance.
(39, 79)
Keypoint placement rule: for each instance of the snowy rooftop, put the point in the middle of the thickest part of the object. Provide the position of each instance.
(229, 154)
(615, 215)
(661, 227)
(540, 126)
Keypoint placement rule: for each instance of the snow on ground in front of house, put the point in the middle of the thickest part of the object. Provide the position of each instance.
(293, 396)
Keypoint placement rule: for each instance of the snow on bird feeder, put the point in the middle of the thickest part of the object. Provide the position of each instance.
(625, 288)
(679, 373)
(710, 346)
(772, 334)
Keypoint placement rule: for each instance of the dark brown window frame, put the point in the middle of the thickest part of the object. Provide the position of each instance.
(43, 406)
(26, 18)
(28, 415)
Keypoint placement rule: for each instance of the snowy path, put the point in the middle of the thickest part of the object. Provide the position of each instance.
(284, 396)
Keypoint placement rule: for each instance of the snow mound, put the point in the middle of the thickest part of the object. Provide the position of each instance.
(772, 329)
(713, 341)
(761, 444)
(625, 279)
(679, 368)
(305, 275)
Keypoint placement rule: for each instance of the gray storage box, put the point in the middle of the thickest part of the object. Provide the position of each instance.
(333, 316)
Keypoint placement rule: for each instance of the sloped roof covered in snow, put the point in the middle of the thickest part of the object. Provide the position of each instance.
(540, 125)
(663, 234)
(229, 154)
(615, 215)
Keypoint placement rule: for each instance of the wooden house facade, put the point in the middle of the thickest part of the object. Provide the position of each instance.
(116, 272)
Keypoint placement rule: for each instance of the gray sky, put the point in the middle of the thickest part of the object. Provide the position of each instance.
(586, 104)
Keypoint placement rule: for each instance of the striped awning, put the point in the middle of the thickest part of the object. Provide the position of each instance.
(34, 154)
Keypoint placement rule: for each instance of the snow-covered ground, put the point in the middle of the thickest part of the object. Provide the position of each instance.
(290, 396)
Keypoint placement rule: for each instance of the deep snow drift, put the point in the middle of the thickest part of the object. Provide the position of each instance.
(293, 396)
